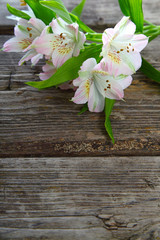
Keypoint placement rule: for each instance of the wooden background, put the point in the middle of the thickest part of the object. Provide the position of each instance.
(61, 177)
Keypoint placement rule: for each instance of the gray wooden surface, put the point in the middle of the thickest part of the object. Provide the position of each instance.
(96, 13)
(61, 177)
(80, 198)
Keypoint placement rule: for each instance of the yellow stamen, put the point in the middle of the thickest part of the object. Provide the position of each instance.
(87, 87)
(25, 43)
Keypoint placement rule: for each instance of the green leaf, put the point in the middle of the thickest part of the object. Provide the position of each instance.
(150, 71)
(84, 109)
(108, 109)
(151, 31)
(17, 12)
(94, 37)
(41, 12)
(69, 70)
(133, 8)
(59, 9)
(79, 8)
(82, 25)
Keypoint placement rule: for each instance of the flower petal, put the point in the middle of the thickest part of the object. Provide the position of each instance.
(107, 36)
(124, 29)
(86, 68)
(36, 58)
(60, 55)
(58, 25)
(77, 82)
(27, 56)
(46, 43)
(82, 93)
(115, 92)
(37, 23)
(16, 44)
(45, 75)
(79, 44)
(96, 100)
(124, 81)
(139, 42)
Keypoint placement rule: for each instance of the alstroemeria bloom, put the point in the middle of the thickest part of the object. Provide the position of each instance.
(25, 33)
(96, 82)
(121, 47)
(65, 41)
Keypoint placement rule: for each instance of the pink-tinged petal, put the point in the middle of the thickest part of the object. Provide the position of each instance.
(96, 100)
(72, 29)
(107, 36)
(124, 81)
(67, 85)
(46, 44)
(48, 67)
(18, 33)
(115, 91)
(124, 30)
(16, 44)
(133, 60)
(77, 82)
(36, 58)
(139, 42)
(46, 75)
(123, 62)
(27, 57)
(86, 69)
(58, 26)
(79, 44)
(60, 55)
(82, 93)
(48, 70)
(108, 67)
(37, 23)
(89, 64)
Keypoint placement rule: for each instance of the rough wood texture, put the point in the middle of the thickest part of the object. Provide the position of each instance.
(45, 123)
(80, 198)
(98, 198)
(96, 13)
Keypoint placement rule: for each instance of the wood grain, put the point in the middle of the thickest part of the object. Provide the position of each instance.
(80, 198)
(98, 14)
(45, 123)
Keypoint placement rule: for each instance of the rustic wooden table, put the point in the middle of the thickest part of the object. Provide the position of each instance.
(61, 177)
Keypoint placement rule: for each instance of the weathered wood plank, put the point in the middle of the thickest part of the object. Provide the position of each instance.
(45, 123)
(80, 198)
(96, 13)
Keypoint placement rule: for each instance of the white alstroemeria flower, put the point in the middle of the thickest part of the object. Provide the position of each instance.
(25, 33)
(65, 41)
(121, 47)
(96, 82)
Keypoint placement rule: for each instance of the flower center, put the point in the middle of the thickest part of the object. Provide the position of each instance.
(25, 43)
(114, 57)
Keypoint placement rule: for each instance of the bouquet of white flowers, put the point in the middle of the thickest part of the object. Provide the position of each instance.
(97, 66)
